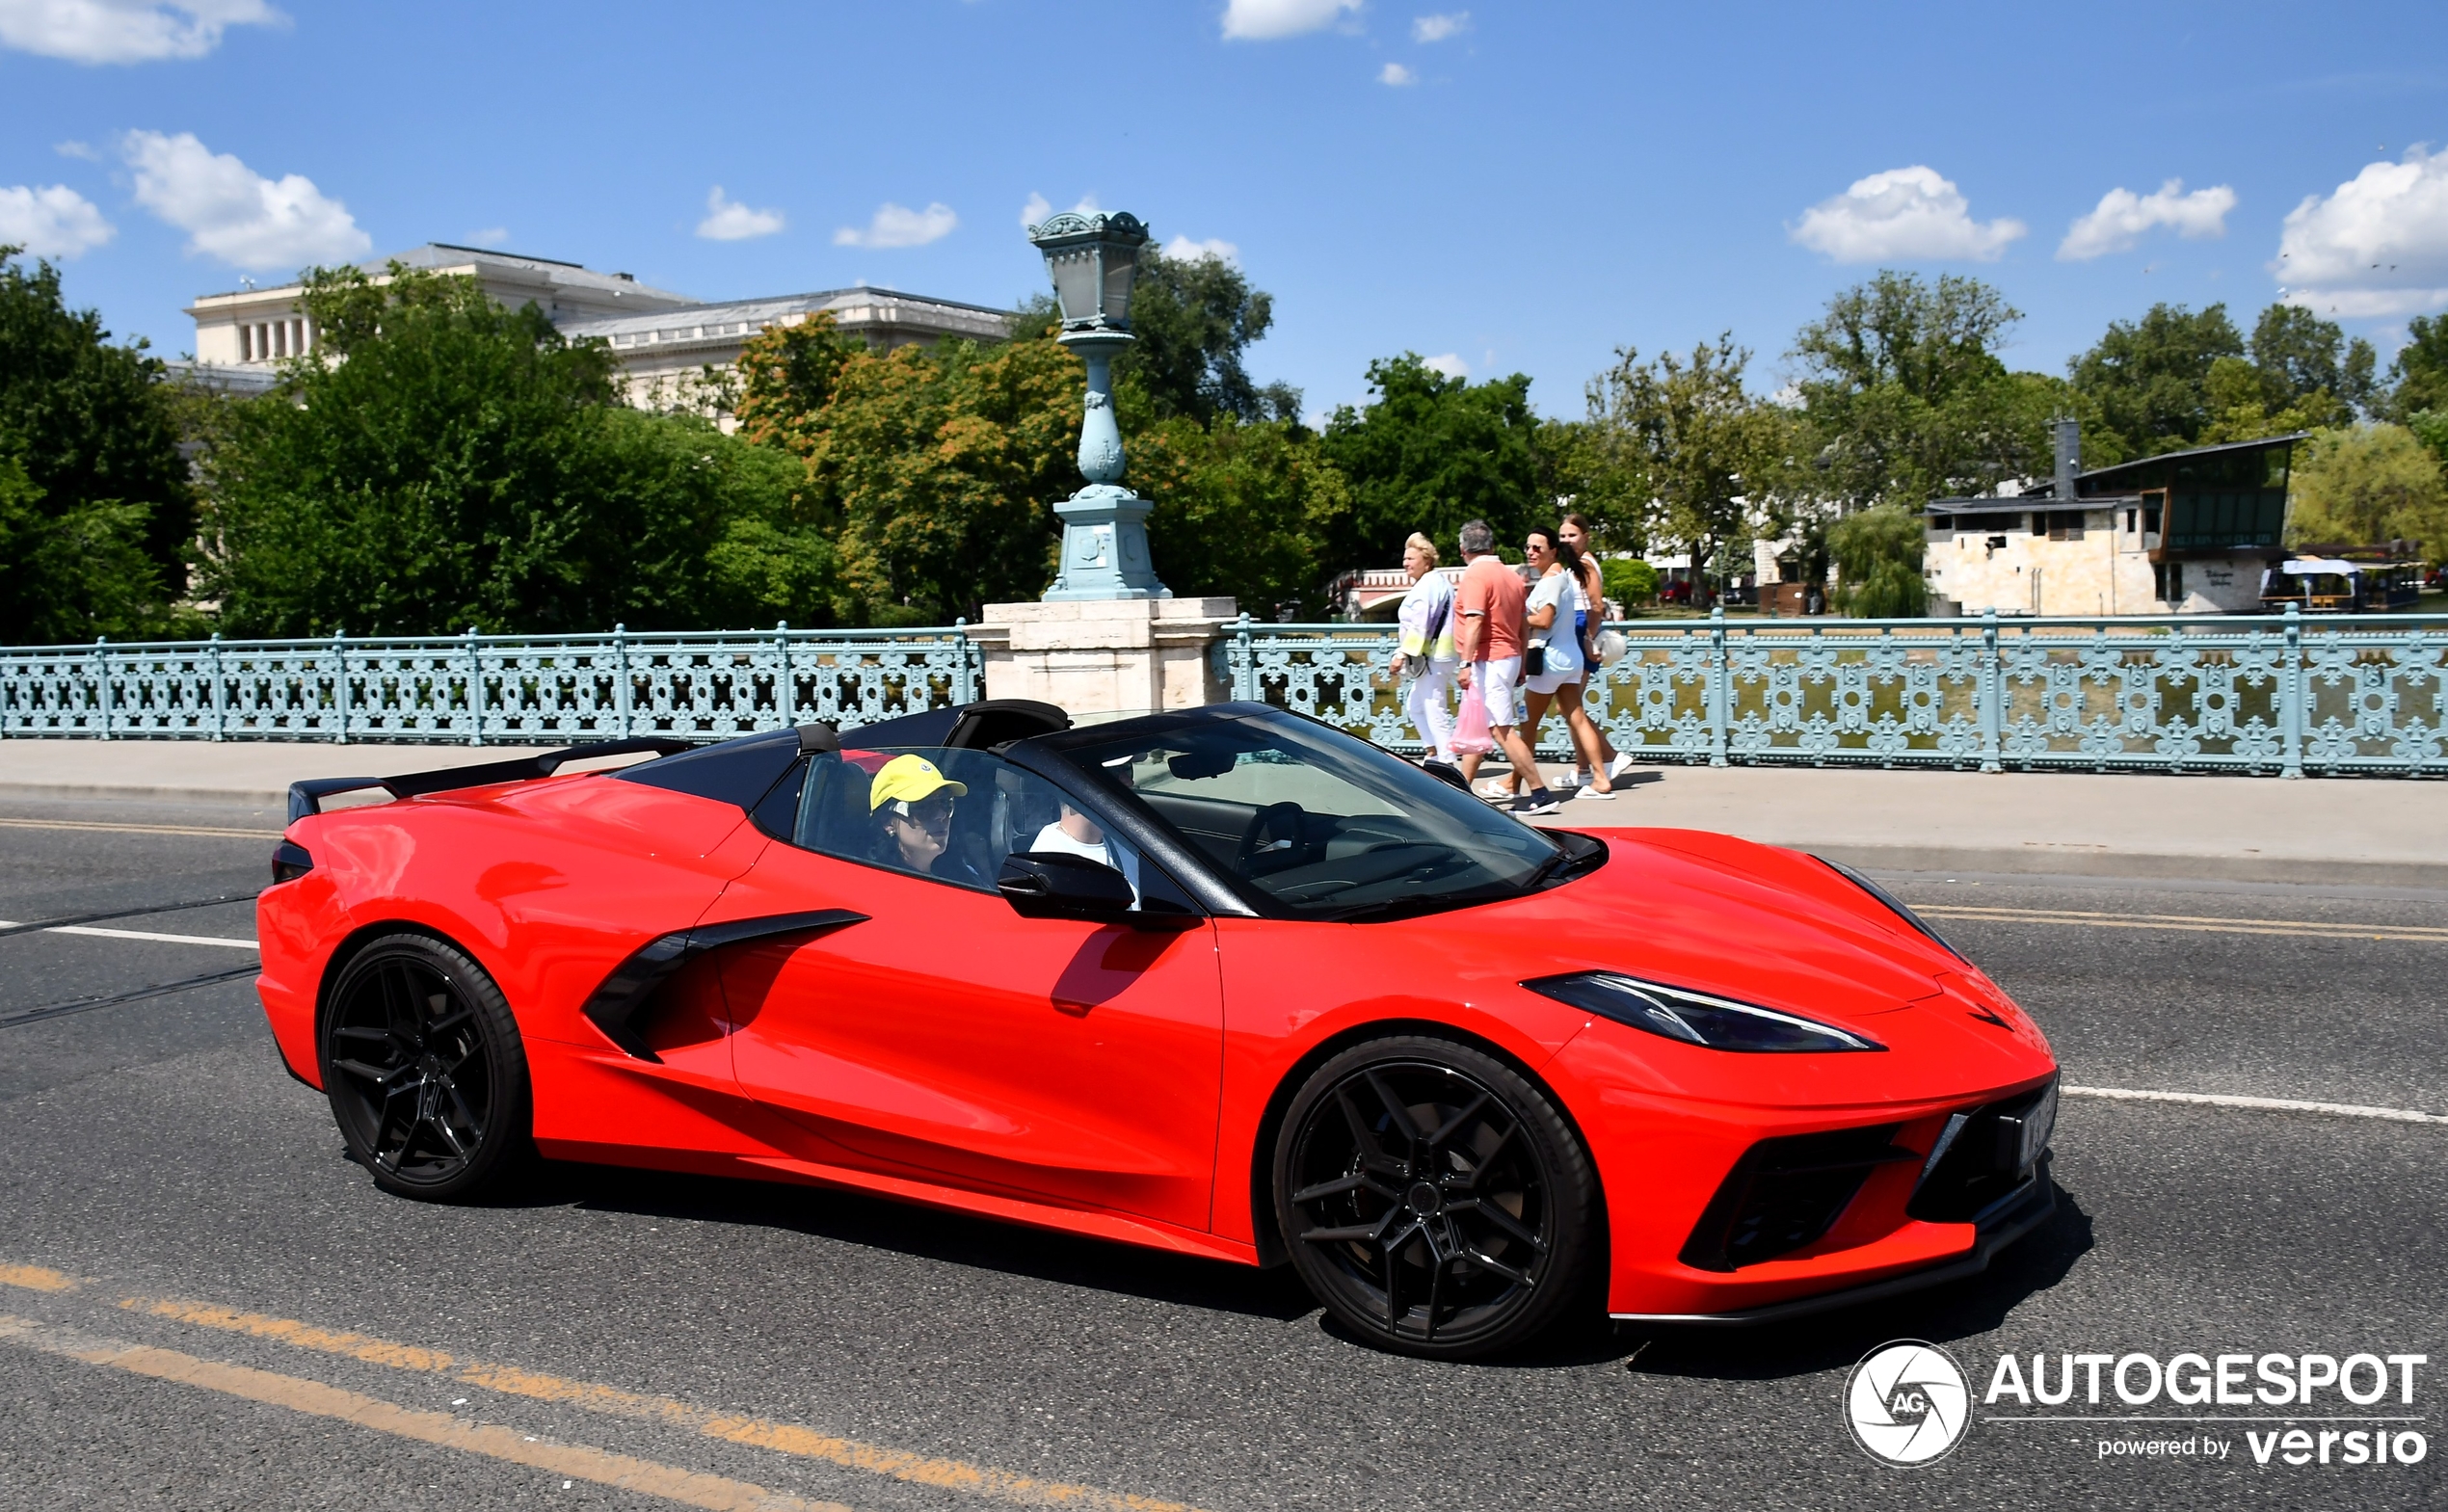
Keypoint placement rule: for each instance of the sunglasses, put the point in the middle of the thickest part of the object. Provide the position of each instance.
(930, 814)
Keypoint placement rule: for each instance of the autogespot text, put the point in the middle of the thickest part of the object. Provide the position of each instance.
(2325, 1391)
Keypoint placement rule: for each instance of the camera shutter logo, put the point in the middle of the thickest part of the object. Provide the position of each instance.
(1907, 1404)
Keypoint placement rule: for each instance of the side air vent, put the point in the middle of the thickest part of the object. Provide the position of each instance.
(1786, 1193)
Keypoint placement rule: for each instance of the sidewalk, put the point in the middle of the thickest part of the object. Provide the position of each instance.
(2374, 831)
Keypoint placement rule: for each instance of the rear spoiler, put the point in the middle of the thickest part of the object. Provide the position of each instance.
(305, 798)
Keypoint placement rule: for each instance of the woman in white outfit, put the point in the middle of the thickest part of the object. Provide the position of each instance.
(1427, 658)
(1558, 626)
(1574, 532)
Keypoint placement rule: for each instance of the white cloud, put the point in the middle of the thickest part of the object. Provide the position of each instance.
(1263, 20)
(1426, 29)
(2123, 215)
(2377, 246)
(1397, 74)
(235, 214)
(56, 221)
(125, 31)
(489, 236)
(1449, 363)
(81, 150)
(1904, 213)
(729, 221)
(898, 225)
(1183, 249)
(1035, 211)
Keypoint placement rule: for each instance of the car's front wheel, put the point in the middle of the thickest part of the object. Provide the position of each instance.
(1435, 1200)
(423, 1066)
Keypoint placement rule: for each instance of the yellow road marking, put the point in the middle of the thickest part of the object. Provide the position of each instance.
(105, 825)
(2198, 923)
(785, 1438)
(35, 1278)
(315, 1400)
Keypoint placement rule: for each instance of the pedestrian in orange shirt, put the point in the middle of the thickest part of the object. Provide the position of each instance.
(1489, 616)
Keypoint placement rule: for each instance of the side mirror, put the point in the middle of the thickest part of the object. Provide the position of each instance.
(1447, 773)
(1054, 885)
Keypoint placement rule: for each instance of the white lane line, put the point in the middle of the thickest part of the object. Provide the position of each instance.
(146, 934)
(2269, 1104)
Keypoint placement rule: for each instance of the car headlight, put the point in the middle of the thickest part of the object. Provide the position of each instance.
(1674, 1013)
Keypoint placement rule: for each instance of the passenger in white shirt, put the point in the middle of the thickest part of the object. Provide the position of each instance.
(1075, 833)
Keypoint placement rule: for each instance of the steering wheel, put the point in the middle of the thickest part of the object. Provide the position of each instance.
(1279, 831)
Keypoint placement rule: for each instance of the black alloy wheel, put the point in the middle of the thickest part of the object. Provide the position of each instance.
(422, 1063)
(1435, 1201)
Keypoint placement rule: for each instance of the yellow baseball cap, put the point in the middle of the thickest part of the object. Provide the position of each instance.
(907, 778)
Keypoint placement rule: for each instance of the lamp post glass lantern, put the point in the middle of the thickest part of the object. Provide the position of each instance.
(1093, 260)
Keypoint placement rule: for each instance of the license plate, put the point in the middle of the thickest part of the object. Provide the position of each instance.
(2039, 1121)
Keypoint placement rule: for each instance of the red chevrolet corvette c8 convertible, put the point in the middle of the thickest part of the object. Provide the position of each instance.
(1223, 981)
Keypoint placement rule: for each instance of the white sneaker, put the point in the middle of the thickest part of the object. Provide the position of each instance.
(1570, 780)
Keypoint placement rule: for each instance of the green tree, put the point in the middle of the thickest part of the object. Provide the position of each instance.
(71, 574)
(2362, 485)
(1429, 453)
(463, 464)
(786, 377)
(2308, 360)
(1719, 460)
(1242, 509)
(98, 506)
(2418, 378)
(941, 467)
(1879, 554)
(2149, 380)
(1196, 319)
(1906, 399)
(2431, 428)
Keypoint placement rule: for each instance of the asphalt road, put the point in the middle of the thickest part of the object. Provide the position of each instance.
(202, 1305)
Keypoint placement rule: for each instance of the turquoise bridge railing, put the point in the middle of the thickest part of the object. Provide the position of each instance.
(2279, 694)
(484, 689)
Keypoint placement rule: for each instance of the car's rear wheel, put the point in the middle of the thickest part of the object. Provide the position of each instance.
(1435, 1200)
(423, 1066)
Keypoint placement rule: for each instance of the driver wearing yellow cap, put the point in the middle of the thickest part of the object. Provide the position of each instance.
(912, 803)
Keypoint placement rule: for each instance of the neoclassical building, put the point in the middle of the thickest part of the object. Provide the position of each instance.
(662, 340)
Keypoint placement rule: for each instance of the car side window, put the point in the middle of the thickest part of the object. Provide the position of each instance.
(950, 816)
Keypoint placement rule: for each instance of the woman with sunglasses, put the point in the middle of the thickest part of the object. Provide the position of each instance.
(912, 803)
(1559, 626)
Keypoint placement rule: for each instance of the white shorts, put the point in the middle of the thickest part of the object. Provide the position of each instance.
(1498, 683)
(1554, 682)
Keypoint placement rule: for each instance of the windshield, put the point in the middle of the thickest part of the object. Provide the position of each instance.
(1310, 819)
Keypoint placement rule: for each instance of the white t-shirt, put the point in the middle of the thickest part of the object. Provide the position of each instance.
(1055, 839)
(1561, 640)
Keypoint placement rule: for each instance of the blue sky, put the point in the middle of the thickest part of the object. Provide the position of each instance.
(1508, 187)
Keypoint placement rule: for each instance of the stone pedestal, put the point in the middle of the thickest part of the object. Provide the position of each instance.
(1105, 656)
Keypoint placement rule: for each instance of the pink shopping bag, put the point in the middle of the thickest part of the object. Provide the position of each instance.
(1471, 735)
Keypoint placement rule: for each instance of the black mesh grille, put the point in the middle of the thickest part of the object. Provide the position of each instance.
(1786, 1193)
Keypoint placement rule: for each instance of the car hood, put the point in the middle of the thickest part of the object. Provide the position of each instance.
(1723, 916)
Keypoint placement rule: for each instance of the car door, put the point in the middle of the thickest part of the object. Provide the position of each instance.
(947, 1037)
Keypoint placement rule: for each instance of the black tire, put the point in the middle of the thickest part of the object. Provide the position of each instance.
(1435, 1201)
(426, 1075)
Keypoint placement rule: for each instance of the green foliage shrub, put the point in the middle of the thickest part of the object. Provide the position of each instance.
(1878, 557)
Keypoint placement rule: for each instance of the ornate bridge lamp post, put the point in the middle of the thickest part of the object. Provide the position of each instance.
(1093, 260)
